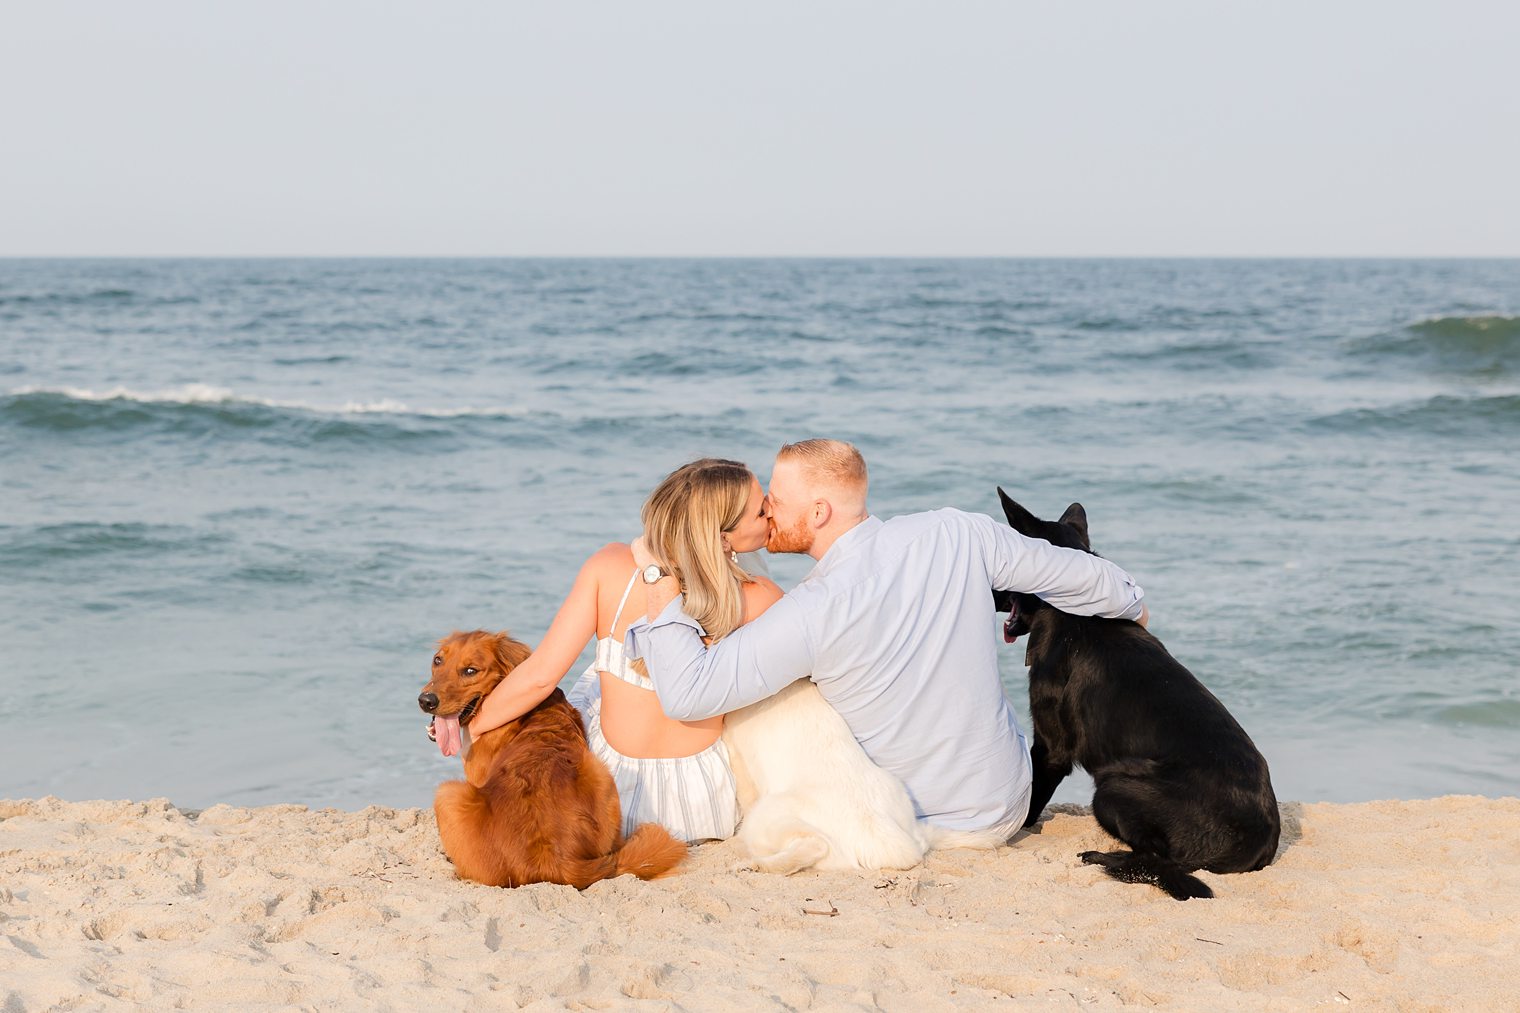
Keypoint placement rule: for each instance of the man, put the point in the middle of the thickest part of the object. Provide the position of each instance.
(894, 625)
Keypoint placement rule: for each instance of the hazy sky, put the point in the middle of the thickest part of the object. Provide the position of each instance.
(667, 127)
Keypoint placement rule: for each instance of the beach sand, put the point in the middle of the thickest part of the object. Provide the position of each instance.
(1383, 905)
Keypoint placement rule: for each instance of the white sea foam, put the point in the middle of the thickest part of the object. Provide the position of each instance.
(202, 393)
(190, 393)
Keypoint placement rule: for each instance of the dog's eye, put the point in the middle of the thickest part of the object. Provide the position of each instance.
(471, 671)
(437, 660)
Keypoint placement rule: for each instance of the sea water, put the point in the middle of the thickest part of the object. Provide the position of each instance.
(240, 499)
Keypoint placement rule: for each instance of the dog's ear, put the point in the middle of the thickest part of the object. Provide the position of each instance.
(509, 652)
(1021, 520)
(1076, 518)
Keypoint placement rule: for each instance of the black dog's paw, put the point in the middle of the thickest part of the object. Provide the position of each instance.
(1129, 867)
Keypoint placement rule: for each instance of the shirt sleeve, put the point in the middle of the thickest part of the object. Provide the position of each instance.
(695, 681)
(1069, 579)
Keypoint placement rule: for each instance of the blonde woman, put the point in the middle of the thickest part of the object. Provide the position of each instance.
(675, 773)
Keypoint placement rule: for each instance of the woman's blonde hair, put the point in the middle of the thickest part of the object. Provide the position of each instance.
(685, 519)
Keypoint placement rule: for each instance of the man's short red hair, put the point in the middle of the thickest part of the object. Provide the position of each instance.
(828, 462)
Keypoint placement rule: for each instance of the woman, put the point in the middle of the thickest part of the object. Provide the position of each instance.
(675, 773)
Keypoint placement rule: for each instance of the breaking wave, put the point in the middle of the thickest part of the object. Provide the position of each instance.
(1476, 344)
(201, 409)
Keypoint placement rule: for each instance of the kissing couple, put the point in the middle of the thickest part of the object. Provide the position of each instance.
(893, 626)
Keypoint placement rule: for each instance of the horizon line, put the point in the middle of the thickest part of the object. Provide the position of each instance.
(757, 256)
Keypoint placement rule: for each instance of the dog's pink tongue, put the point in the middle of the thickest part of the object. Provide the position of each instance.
(448, 734)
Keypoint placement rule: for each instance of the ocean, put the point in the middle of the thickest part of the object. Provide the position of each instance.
(239, 499)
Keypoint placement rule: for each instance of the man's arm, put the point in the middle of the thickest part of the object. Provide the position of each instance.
(694, 681)
(1069, 579)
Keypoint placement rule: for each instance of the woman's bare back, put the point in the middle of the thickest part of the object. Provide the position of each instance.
(632, 720)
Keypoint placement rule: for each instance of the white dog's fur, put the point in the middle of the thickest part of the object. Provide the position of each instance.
(811, 798)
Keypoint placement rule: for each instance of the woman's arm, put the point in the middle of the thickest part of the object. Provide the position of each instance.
(532, 681)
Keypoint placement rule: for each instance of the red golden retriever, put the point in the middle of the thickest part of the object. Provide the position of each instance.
(535, 805)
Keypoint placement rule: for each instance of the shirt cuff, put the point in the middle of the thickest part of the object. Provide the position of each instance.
(1136, 607)
(635, 638)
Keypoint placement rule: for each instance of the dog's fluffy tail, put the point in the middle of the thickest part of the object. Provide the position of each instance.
(649, 853)
(1132, 867)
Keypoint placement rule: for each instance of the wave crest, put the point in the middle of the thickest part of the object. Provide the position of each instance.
(1481, 331)
(66, 298)
(1476, 418)
(1473, 344)
(200, 410)
(206, 394)
(43, 544)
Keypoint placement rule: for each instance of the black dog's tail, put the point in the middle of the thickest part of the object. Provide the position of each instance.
(1131, 867)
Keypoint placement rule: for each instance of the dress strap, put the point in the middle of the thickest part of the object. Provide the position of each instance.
(619, 613)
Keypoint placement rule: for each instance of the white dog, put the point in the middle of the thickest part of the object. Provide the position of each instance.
(811, 798)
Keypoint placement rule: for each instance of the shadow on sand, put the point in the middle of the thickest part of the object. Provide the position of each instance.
(1292, 814)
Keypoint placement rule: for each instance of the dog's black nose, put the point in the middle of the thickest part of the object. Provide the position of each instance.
(428, 702)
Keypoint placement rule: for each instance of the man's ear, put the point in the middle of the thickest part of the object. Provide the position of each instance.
(822, 511)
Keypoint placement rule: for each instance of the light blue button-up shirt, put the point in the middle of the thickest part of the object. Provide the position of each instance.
(895, 625)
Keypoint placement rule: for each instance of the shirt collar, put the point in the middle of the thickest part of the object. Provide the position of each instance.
(844, 546)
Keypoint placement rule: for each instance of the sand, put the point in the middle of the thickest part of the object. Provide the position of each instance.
(1383, 905)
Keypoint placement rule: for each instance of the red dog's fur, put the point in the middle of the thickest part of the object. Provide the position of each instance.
(535, 806)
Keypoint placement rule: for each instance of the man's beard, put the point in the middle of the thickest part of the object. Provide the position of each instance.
(798, 539)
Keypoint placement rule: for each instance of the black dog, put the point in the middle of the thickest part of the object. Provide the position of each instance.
(1177, 779)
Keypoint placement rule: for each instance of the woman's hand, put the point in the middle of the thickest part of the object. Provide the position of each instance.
(642, 557)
